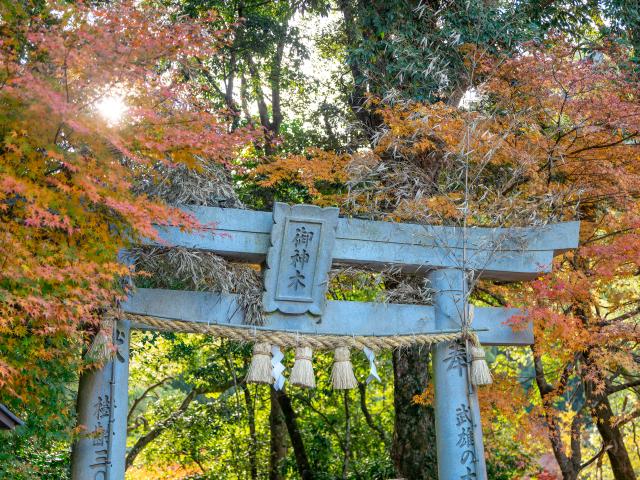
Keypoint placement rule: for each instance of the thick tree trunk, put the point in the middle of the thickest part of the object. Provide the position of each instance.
(370, 119)
(413, 450)
(570, 474)
(278, 428)
(611, 436)
(600, 408)
(302, 460)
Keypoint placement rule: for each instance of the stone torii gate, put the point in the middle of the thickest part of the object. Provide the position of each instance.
(299, 244)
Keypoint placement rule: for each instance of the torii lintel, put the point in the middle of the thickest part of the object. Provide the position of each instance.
(509, 254)
(339, 318)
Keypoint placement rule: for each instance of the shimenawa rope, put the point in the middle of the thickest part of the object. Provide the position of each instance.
(295, 339)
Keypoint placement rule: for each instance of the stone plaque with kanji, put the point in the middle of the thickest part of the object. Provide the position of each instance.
(299, 258)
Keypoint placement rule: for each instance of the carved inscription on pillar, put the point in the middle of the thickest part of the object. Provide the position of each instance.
(299, 258)
(456, 364)
(466, 441)
(102, 413)
(101, 438)
(456, 358)
(101, 418)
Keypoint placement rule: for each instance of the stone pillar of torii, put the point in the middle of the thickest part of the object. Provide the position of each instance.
(299, 244)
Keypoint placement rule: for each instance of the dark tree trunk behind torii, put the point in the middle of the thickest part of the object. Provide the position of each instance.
(291, 421)
(621, 465)
(278, 437)
(413, 450)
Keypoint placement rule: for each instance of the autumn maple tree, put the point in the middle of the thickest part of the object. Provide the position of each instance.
(72, 183)
(583, 108)
(551, 135)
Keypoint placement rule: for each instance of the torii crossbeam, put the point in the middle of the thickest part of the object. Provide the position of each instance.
(299, 244)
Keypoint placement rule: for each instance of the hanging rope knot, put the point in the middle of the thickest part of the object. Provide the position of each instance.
(262, 349)
(101, 348)
(260, 370)
(302, 371)
(478, 353)
(342, 377)
(480, 373)
(342, 354)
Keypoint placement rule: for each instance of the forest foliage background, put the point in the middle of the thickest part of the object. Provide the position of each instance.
(113, 112)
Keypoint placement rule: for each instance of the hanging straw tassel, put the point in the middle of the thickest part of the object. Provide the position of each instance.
(101, 348)
(302, 371)
(342, 376)
(480, 373)
(260, 370)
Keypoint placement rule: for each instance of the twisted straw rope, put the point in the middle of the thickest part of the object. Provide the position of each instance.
(291, 339)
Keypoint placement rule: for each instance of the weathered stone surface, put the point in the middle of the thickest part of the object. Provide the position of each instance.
(299, 258)
(339, 318)
(493, 253)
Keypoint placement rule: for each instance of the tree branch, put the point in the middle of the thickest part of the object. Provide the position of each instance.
(362, 388)
(544, 386)
(161, 426)
(605, 145)
(347, 435)
(499, 300)
(251, 418)
(610, 390)
(137, 401)
(257, 90)
(602, 451)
